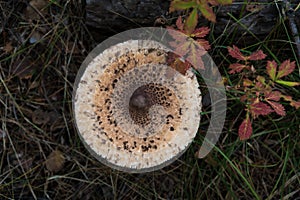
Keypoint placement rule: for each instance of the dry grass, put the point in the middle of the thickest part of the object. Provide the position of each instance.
(42, 52)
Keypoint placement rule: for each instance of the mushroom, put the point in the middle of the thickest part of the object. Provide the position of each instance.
(133, 112)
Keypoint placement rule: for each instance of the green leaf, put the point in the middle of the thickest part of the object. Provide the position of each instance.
(181, 5)
(191, 22)
(220, 2)
(287, 83)
(224, 2)
(206, 11)
(271, 69)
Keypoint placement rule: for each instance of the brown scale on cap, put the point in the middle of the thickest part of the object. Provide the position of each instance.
(140, 102)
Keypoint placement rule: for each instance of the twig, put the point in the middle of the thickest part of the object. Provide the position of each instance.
(290, 14)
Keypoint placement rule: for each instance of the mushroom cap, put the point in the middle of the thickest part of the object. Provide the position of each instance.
(133, 112)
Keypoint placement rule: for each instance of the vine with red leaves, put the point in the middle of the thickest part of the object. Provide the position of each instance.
(260, 95)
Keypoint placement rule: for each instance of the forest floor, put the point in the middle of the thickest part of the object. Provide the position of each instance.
(42, 156)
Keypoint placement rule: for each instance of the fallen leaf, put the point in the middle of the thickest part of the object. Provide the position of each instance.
(8, 47)
(40, 117)
(55, 161)
(254, 7)
(35, 9)
(23, 68)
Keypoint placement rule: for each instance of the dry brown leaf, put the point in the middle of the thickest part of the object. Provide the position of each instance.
(23, 68)
(55, 161)
(254, 7)
(8, 47)
(40, 117)
(35, 9)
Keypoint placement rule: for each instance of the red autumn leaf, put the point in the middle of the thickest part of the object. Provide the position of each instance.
(277, 107)
(273, 95)
(191, 22)
(285, 68)
(243, 98)
(236, 53)
(236, 68)
(271, 69)
(181, 5)
(258, 55)
(203, 43)
(200, 32)
(179, 23)
(259, 86)
(295, 104)
(260, 108)
(206, 11)
(245, 129)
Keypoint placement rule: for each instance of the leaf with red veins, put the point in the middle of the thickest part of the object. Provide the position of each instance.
(258, 55)
(271, 69)
(203, 43)
(295, 104)
(236, 53)
(260, 108)
(277, 107)
(273, 95)
(236, 68)
(206, 10)
(245, 129)
(285, 68)
(200, 32)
